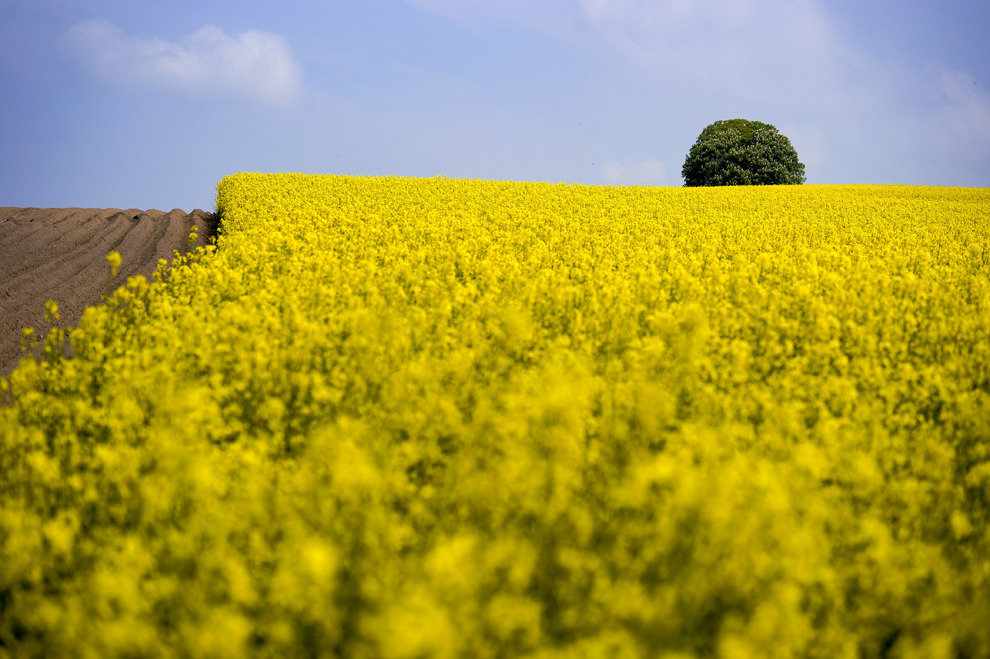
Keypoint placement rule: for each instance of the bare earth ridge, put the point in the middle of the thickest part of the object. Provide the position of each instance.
(60, 254)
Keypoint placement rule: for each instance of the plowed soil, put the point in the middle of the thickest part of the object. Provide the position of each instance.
(60, 254)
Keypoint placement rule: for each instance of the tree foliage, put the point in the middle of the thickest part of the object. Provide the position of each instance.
(742, 152)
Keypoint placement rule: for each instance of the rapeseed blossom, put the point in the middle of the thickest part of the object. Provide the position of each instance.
(395, 417)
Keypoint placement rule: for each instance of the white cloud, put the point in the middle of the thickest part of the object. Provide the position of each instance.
(256, 65)
(645, 172)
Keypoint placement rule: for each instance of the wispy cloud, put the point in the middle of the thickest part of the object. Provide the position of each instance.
(740, 48)
(966, 108)
(255, 65)
(552, 17)
(629, 172)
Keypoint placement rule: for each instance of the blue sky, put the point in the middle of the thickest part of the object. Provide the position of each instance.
(127, 103)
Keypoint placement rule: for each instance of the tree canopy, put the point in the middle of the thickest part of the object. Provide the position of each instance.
(742, 152)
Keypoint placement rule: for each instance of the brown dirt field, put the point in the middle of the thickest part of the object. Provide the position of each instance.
(60, 254)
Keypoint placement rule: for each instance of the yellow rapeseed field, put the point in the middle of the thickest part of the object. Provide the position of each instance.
(406, 418)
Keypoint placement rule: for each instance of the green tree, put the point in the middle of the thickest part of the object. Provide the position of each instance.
(742, 152)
